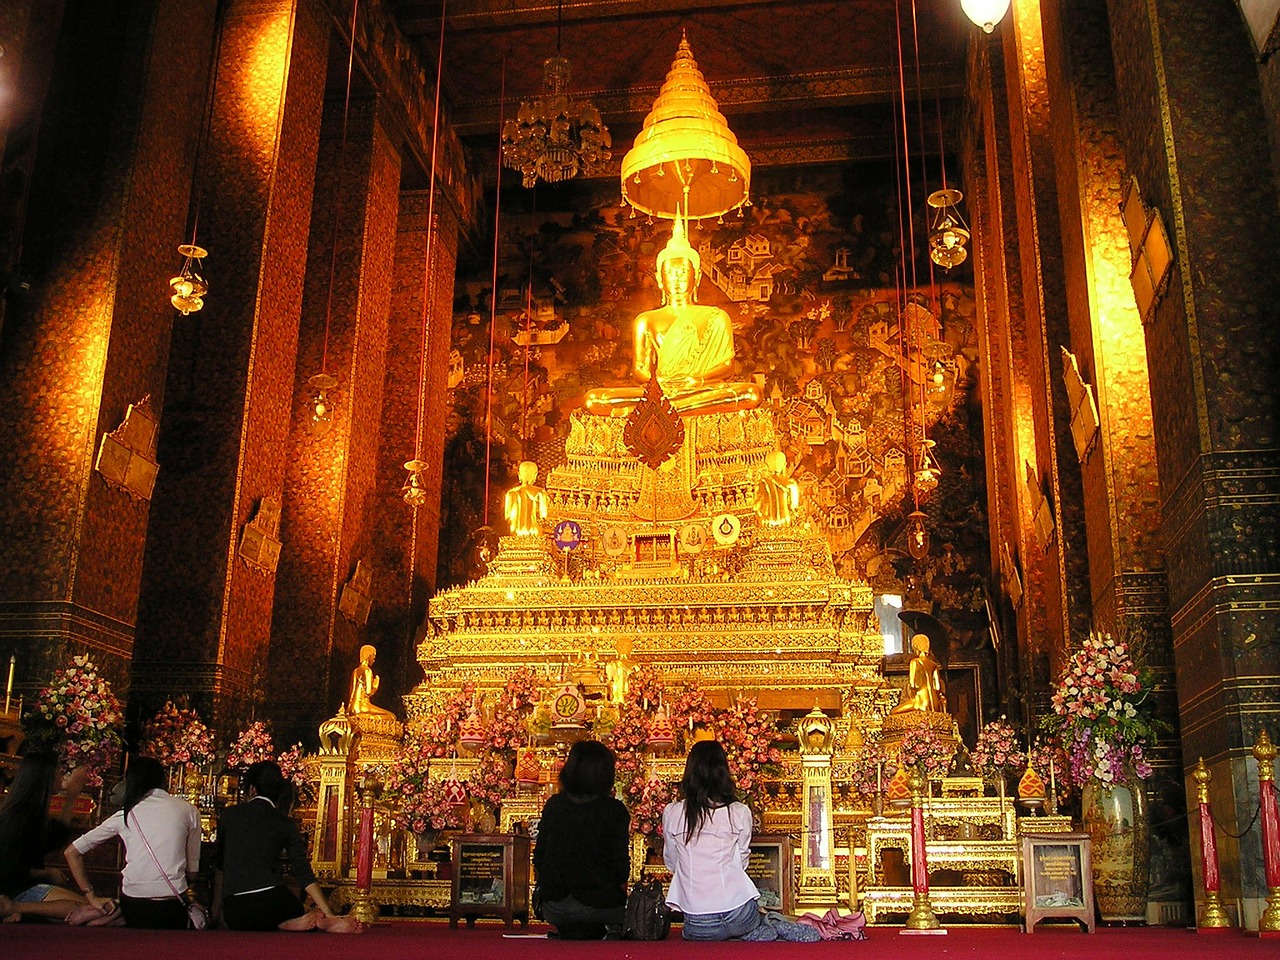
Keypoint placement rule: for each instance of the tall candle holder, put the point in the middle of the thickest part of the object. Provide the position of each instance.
(1264, 751)
(1213, 917)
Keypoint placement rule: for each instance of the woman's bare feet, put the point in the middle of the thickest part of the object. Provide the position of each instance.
(308, 921)
(346, 924)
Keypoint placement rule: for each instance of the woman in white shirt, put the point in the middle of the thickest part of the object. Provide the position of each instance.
(154, 878)
(706, 843)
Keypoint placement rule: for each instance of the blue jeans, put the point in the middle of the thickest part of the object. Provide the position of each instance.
(722, 926)
(575, 920)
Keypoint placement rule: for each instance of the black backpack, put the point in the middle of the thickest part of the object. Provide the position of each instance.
(647, 915)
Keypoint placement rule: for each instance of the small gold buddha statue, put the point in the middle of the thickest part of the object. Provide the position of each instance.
(689, 344)
(777, 495)
(364, 684)
(618, 671)
(525, 505)
(924, 681)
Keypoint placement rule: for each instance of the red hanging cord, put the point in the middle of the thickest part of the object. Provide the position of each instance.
(493, 292)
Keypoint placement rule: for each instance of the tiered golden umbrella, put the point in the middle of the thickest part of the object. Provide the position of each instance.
(686, 161)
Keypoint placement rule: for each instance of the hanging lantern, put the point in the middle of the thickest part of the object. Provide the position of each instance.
(948, 234)
(471, 732)
(985, 13)
(188, 286)
(414, 491)
(927, 471)
(321, 405)
(917, 534)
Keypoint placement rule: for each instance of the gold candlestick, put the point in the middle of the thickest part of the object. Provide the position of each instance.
(8, 687)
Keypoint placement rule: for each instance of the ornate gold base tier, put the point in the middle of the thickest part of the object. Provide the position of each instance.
(790, 639)
(419, 894)
(981, 903)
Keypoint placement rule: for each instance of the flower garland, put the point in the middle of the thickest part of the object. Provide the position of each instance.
(997, 751)
(251, 746)
(423, 805)
(79, 716)
(177, 735)
(747, 734)
(1100, 712)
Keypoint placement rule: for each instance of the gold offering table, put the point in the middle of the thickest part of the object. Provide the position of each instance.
(974, 850)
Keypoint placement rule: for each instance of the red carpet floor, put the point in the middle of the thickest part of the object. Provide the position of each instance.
(435, 941)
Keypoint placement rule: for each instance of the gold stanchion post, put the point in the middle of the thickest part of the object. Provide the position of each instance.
(921, 919)
(362, 906)
(1264, 751)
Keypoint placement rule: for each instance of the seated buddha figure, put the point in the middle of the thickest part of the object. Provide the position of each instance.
(690, 345)
(924, 681)
(364, 684)
(777, 499)
(525, 506)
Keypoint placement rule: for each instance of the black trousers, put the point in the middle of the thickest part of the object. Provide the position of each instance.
(263, 910)
(161, 913)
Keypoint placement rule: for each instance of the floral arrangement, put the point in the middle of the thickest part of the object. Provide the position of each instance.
(870, 771)
(423, 804)
(747, 734)
(493, 780)
(1100, 713)
(79, 716)
(294, 770)
(177, 736)
(252, 745)
(923, 749)
(440, 730)
(652, 797)
(509, 728)
(1050, 761)
(997, 751)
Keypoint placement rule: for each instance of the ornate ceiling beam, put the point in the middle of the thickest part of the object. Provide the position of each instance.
(825, 88)
(489, 16)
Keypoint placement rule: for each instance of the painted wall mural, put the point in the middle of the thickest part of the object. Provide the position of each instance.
(807, 275)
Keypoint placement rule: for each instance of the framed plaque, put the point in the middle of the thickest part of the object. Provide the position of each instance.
(771, 867)
(490, 878)
(1057, 878)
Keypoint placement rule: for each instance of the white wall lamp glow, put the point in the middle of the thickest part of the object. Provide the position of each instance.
(985, 13)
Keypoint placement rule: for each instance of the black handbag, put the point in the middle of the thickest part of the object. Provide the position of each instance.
(647, 916)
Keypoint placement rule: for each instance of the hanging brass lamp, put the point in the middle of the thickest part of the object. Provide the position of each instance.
(685, 158)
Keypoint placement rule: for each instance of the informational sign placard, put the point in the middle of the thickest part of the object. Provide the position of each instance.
(1057, 876)
(770, 865)
(481, 873)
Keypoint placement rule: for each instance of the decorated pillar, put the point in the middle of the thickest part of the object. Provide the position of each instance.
(215, 540)
(326, 576)
(817, 852)
(87, 319)
(1184, 67)
(330, 856)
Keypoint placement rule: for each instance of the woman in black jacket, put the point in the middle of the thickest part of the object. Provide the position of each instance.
(581, 858)
(249, 892)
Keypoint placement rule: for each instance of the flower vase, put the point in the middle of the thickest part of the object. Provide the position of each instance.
(192, 781)
(1115, 817)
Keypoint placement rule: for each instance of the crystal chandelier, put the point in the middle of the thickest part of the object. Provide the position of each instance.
(554, 137)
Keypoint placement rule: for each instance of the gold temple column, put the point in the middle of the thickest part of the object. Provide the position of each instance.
(322, 611)
(206, 603)
(87, 328)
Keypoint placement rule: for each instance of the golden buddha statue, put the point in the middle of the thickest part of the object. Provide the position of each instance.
(619, 670)
(525, 505)
(690, 345)
(777, 495)
(924, 681)
(364, 684)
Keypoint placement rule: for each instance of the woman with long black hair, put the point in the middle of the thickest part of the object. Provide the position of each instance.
(161, 835)
(28, 833)
(706, 843)
(581, 858)
(249, 892)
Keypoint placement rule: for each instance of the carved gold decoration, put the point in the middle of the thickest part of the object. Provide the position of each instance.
(127, 455)
(260, 537)
(653, 430)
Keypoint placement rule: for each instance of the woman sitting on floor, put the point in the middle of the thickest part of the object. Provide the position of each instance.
(161, 835)
(249, 892)
(706, 843)
(581, 859)
(27, 834)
